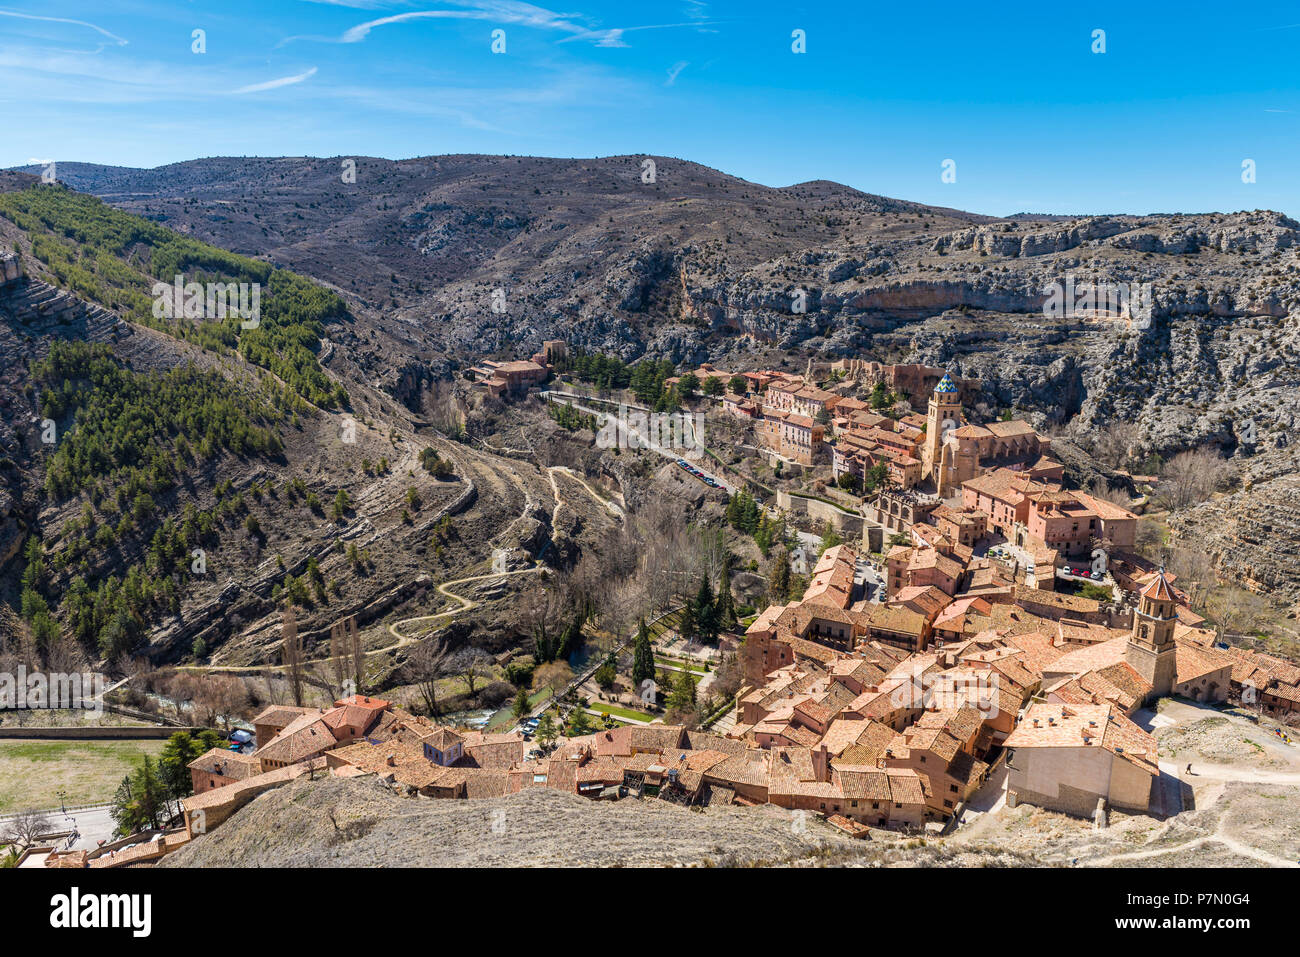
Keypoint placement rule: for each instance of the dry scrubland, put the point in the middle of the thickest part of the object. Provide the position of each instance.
(334, 822)
(1223, 739)
(1242, 809)
(1239, 824)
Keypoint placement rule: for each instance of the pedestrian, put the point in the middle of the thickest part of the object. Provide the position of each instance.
(1189, 769)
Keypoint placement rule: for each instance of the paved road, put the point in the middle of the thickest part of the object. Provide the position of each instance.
(92, 825)
(625, 431)
(988, 800)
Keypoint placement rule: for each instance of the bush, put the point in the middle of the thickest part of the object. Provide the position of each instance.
(495, 694)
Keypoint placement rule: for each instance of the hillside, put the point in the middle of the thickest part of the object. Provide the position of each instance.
(353, 823)
(166, 482)
(698, 265)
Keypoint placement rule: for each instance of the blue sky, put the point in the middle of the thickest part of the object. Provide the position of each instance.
(1012, 92)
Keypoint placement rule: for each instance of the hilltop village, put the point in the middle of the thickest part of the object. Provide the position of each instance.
(874, 704)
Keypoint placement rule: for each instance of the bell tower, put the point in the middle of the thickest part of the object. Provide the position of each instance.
(945, 406)
(1151, 650)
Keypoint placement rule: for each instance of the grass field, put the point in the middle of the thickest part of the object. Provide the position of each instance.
(618, 712)
(690, 666)
(33, 772)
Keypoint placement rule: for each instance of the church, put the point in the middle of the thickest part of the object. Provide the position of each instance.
(956, 450)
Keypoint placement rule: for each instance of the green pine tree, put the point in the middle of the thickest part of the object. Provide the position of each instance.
(521, 706)
(643, 658)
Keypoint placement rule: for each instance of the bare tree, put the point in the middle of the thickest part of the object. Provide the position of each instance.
(339, 659)
(1237, 610)
(219, 697)
(728, 678)
(472, 666)
(1100, 488)
(358, 655)
(1149, 539)
(1115, 444)
(273, 695)
(425, 665)
(1190, 478)
(446, 412)
(545, 611)
(25, 828)
(1194, 569)
(182, 688)
(555, 675)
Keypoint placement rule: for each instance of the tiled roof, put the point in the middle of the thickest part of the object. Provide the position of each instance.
(1076, 726)
(302, 738)
(228, 764)
(1159, 589)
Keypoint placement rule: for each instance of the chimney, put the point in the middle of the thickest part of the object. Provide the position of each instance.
(821, 760)
(391, 761)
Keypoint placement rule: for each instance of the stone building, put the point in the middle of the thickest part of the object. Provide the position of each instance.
(1079, 759)
(1151, 649)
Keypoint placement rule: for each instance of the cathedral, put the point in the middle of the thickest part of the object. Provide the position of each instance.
(955, 451)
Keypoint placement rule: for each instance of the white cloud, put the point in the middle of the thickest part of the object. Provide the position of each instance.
(674, 70)
(501, 12)
(276, 84)
(118, 41)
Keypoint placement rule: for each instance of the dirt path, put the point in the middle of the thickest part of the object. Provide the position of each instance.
(1245, 850)
(445, 588)
(559, 499)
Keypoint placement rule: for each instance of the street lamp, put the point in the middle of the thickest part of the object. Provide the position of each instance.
(62, 796)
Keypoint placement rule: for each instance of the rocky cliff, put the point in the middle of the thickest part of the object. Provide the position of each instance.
(1193, 331)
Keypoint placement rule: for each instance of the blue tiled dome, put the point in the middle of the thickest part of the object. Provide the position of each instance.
(946, 385)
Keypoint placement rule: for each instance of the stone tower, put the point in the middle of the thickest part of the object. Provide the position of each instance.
(945, 406)
(1151, 650)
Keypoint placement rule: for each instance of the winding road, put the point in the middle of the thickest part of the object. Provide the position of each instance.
(465, 605)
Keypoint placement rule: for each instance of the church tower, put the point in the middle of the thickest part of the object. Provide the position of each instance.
(1151, 650)
(945, 406)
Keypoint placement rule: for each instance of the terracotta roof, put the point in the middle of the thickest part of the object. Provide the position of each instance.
(304, 737)
(1159, 589)
(228, 764)
(279, 715)
(1193, 662)
(1077, 726)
